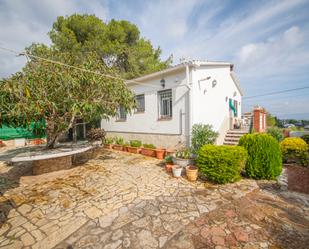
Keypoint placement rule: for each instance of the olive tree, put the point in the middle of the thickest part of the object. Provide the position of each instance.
(60, 94)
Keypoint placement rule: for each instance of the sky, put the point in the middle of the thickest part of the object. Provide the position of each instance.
(266, 40)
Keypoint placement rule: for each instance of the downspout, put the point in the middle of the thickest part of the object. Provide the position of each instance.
(189, 103)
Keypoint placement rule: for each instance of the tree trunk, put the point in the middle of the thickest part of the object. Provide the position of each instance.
(74, 132)
(51, 135)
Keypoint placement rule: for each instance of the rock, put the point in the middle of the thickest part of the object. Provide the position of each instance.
(107, 220)
(27, 239)
(93, 212)
(218, 240)
(146, 239)
(126, 243)
(162, 241)
(113, 245)
(241, 235)
(117, 235)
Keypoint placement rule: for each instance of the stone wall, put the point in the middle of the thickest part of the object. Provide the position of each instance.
(53, 164)
(159, 140)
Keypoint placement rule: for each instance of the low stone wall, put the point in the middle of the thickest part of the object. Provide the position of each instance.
(159, 140)
(53, 164)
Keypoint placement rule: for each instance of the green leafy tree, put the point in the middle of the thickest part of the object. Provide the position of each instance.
(117, 42)
(271, 120)
(59, 94)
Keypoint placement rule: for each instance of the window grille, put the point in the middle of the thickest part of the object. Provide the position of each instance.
(122, 115)
(165, 104)
(140, 102)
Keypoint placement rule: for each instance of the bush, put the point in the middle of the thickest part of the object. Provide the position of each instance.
(295, 148)
(306, 138)
(119, 141)
(109, 140)
(184, 153)
(276, 133)
(135, 143)
(149, 146)
(264, 156)
(168, 159)
(221, 164)
(201, 135)
(96, 134)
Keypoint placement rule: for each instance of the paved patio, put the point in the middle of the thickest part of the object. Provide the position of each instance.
(122, 200)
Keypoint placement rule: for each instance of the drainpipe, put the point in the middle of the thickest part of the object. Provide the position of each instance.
(189, 102)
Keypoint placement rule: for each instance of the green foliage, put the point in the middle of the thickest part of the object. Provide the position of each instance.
(184, 153)
(96, 134)
(306, 138)
(221, 164)
(135, 143)
(60, 95)
(117, 42)
(119, 140)
(149, 146)
(168, 159)
(109, 140)
(271, 121)
(264, 156)
(276, 133)
(295, 148)
(201, 135)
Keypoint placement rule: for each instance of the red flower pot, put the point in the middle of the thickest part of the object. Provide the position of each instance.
(169, 167)
(148, 152)
(118, 147)
(134, 150)
(160, 153)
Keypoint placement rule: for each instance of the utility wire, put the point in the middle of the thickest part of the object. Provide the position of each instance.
(74, 67)
(277, 92)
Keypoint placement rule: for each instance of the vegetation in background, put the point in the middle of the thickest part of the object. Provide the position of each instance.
(109, 140)
(184, 153)
(221, 164)
(119, 140)
(271, 121)
(135, 143)
(149, 146)
(295, 148)
(118, 43)
(276, 133)
(60, 95)
(306, 138)
(264, 156)
(201, 135)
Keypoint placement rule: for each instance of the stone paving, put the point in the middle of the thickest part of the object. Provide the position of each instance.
(122, 200)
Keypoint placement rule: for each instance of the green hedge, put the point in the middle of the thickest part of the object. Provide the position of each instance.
(221, 164)
(295, 149)
(264, 156)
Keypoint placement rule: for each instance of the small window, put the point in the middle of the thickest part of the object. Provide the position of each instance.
(122, 115)
(165, 104)
(140, 103)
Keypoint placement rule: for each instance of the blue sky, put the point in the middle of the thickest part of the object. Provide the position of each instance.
(268, 41)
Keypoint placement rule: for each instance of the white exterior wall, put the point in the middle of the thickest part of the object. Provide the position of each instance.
(209, 104)
(147, 122)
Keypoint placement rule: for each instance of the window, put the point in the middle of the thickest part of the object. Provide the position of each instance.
(165, 104)
(140, 103)
(122, 115)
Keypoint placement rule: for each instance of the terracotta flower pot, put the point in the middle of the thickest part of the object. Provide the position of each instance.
(134, 150)
(37, 141)
(108, 146)
(191, 172)
(177, 170)
(118, 147)
(148, 152)
(168, 167)
(160, 153)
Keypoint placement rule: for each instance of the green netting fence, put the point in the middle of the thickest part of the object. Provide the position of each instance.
(8, 132)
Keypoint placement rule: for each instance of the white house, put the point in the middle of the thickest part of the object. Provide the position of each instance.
(171, 101)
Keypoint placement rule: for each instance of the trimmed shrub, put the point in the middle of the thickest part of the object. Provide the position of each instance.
(135, 143)
(264, 156)
(306, 138)
(276, 133)
(295, 149)
(95, 134)
(149, 146)
(201, 135)
(221, 164)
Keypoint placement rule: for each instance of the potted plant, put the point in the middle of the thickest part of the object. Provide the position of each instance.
(191, 172)
(168, 163)
(125, 146)
(118, 144)
(160, 152)
(148, 150)
(183, 157)
(134, 146)
(108, 142)
(177, 170)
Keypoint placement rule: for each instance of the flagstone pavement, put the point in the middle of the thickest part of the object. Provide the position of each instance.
(122, 200)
